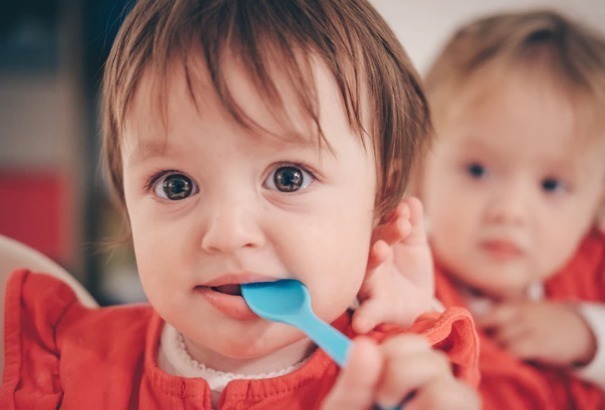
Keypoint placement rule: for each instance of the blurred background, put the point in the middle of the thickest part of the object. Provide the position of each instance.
(52, 194)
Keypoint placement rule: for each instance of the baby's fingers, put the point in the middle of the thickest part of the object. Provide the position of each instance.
(370, 314)
(396, 227)
(410, 366)
(380, 251)
(498, 316)
(417, 231)
(354, 388)
(508, 335)
(445, 394)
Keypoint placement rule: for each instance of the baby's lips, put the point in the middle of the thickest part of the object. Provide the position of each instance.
(229, 289)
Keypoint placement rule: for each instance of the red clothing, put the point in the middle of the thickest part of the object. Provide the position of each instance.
(509, 383)
(59, 353)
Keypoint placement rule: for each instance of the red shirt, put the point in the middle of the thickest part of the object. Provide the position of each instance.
(59, 353)
(510, 383)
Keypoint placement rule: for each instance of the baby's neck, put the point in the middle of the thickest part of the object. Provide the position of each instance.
(480, 302)
(276, 361)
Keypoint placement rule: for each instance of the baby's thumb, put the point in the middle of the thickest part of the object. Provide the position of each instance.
(354, 388)
(368, 316)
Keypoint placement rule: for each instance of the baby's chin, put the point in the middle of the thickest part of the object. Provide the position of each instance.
(275, 350)
(496, 282)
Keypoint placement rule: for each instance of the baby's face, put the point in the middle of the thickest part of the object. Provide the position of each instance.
(213, 205)
(509, 189)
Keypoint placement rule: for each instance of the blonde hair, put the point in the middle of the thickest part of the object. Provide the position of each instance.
(348, 36)
(572, 53)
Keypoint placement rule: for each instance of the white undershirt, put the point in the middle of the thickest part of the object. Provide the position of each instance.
(174, 359)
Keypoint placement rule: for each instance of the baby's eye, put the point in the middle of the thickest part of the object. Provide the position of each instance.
(174, 187)
(289, 178)
(476, 170)
(552, 185)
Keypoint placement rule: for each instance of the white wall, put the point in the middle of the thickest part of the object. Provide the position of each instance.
(424, 25)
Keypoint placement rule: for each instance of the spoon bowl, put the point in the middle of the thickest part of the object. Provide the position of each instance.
(274, 300)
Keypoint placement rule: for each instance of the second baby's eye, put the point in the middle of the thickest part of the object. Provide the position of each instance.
(552, 185)
(289, 178)
(476, 170)
(174, 187)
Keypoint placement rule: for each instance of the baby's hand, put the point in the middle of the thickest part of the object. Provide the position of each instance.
(399, 279)
(545, 332)
(404, 368)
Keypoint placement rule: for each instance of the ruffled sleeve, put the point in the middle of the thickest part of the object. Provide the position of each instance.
(453, 332)
(34, 305)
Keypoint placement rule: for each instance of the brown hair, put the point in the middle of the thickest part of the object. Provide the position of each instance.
(348, 36)
(573, 54)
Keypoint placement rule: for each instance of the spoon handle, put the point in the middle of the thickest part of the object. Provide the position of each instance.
(334, 343)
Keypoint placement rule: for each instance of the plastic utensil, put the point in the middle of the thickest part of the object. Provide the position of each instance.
(288, 301)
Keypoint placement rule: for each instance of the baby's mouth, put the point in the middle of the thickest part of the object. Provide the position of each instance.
(226, 297)
(231, 289)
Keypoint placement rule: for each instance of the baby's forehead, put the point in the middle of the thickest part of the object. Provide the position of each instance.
(282, 112)
(163, 103)
(520, 94)
(539, 82)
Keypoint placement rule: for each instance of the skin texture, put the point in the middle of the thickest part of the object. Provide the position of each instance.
(235, 223)
(512, 186)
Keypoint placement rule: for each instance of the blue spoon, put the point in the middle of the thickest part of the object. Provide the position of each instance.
(288, 301)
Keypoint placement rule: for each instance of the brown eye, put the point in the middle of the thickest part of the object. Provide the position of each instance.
(289, 179)
(175, 187)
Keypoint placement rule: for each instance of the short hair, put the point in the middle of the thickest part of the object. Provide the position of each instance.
(348, 36)
(572, 53)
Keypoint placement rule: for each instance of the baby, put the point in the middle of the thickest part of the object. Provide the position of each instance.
(247, 141)
(512, 189)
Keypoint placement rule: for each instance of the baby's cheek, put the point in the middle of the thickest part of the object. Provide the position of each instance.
(336, 298)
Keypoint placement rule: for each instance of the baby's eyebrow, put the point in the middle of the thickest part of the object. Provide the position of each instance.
(146, 150)
(300, 143)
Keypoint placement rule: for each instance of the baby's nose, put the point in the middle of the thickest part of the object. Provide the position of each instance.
(509, 205)
(232, 226)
